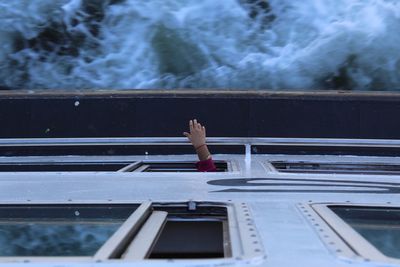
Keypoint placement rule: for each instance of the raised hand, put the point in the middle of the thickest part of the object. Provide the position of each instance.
(197, 135)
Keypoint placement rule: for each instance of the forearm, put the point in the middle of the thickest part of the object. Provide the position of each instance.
(206, 164)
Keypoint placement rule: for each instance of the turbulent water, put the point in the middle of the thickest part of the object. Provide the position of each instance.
(238, 44)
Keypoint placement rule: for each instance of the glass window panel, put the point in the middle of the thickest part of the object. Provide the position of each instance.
(70, 167)
(334, 167)
(24, 239)
(58, 231)
(379, 226)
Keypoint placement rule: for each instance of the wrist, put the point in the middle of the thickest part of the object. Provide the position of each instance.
(197, 147)
(203, 153)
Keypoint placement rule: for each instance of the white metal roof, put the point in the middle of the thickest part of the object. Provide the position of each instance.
(275, 200)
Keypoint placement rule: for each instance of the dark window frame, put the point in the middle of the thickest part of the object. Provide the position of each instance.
(320, 167)
(177, 166)
(47, 164)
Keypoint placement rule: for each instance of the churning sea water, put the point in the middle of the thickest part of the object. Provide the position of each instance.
(237, 44)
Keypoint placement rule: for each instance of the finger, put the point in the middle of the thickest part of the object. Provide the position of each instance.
(186, 134)
(191, 125)
(204, 130)
(195, 125)
(199, 127)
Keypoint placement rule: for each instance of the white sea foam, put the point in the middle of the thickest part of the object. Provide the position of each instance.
(310, 44)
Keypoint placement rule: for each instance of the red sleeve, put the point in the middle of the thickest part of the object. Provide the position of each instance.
(206, 166)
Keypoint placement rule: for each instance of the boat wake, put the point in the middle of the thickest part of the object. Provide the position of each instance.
(239, 44)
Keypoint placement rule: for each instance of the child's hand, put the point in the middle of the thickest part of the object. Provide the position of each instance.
(197, 135)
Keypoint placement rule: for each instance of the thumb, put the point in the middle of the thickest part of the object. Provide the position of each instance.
(186, 134)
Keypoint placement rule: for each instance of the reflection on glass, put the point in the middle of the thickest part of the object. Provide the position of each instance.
(380, 226)
(58, 230)
(55, 238)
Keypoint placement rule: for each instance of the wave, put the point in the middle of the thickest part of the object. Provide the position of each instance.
(236, 44)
